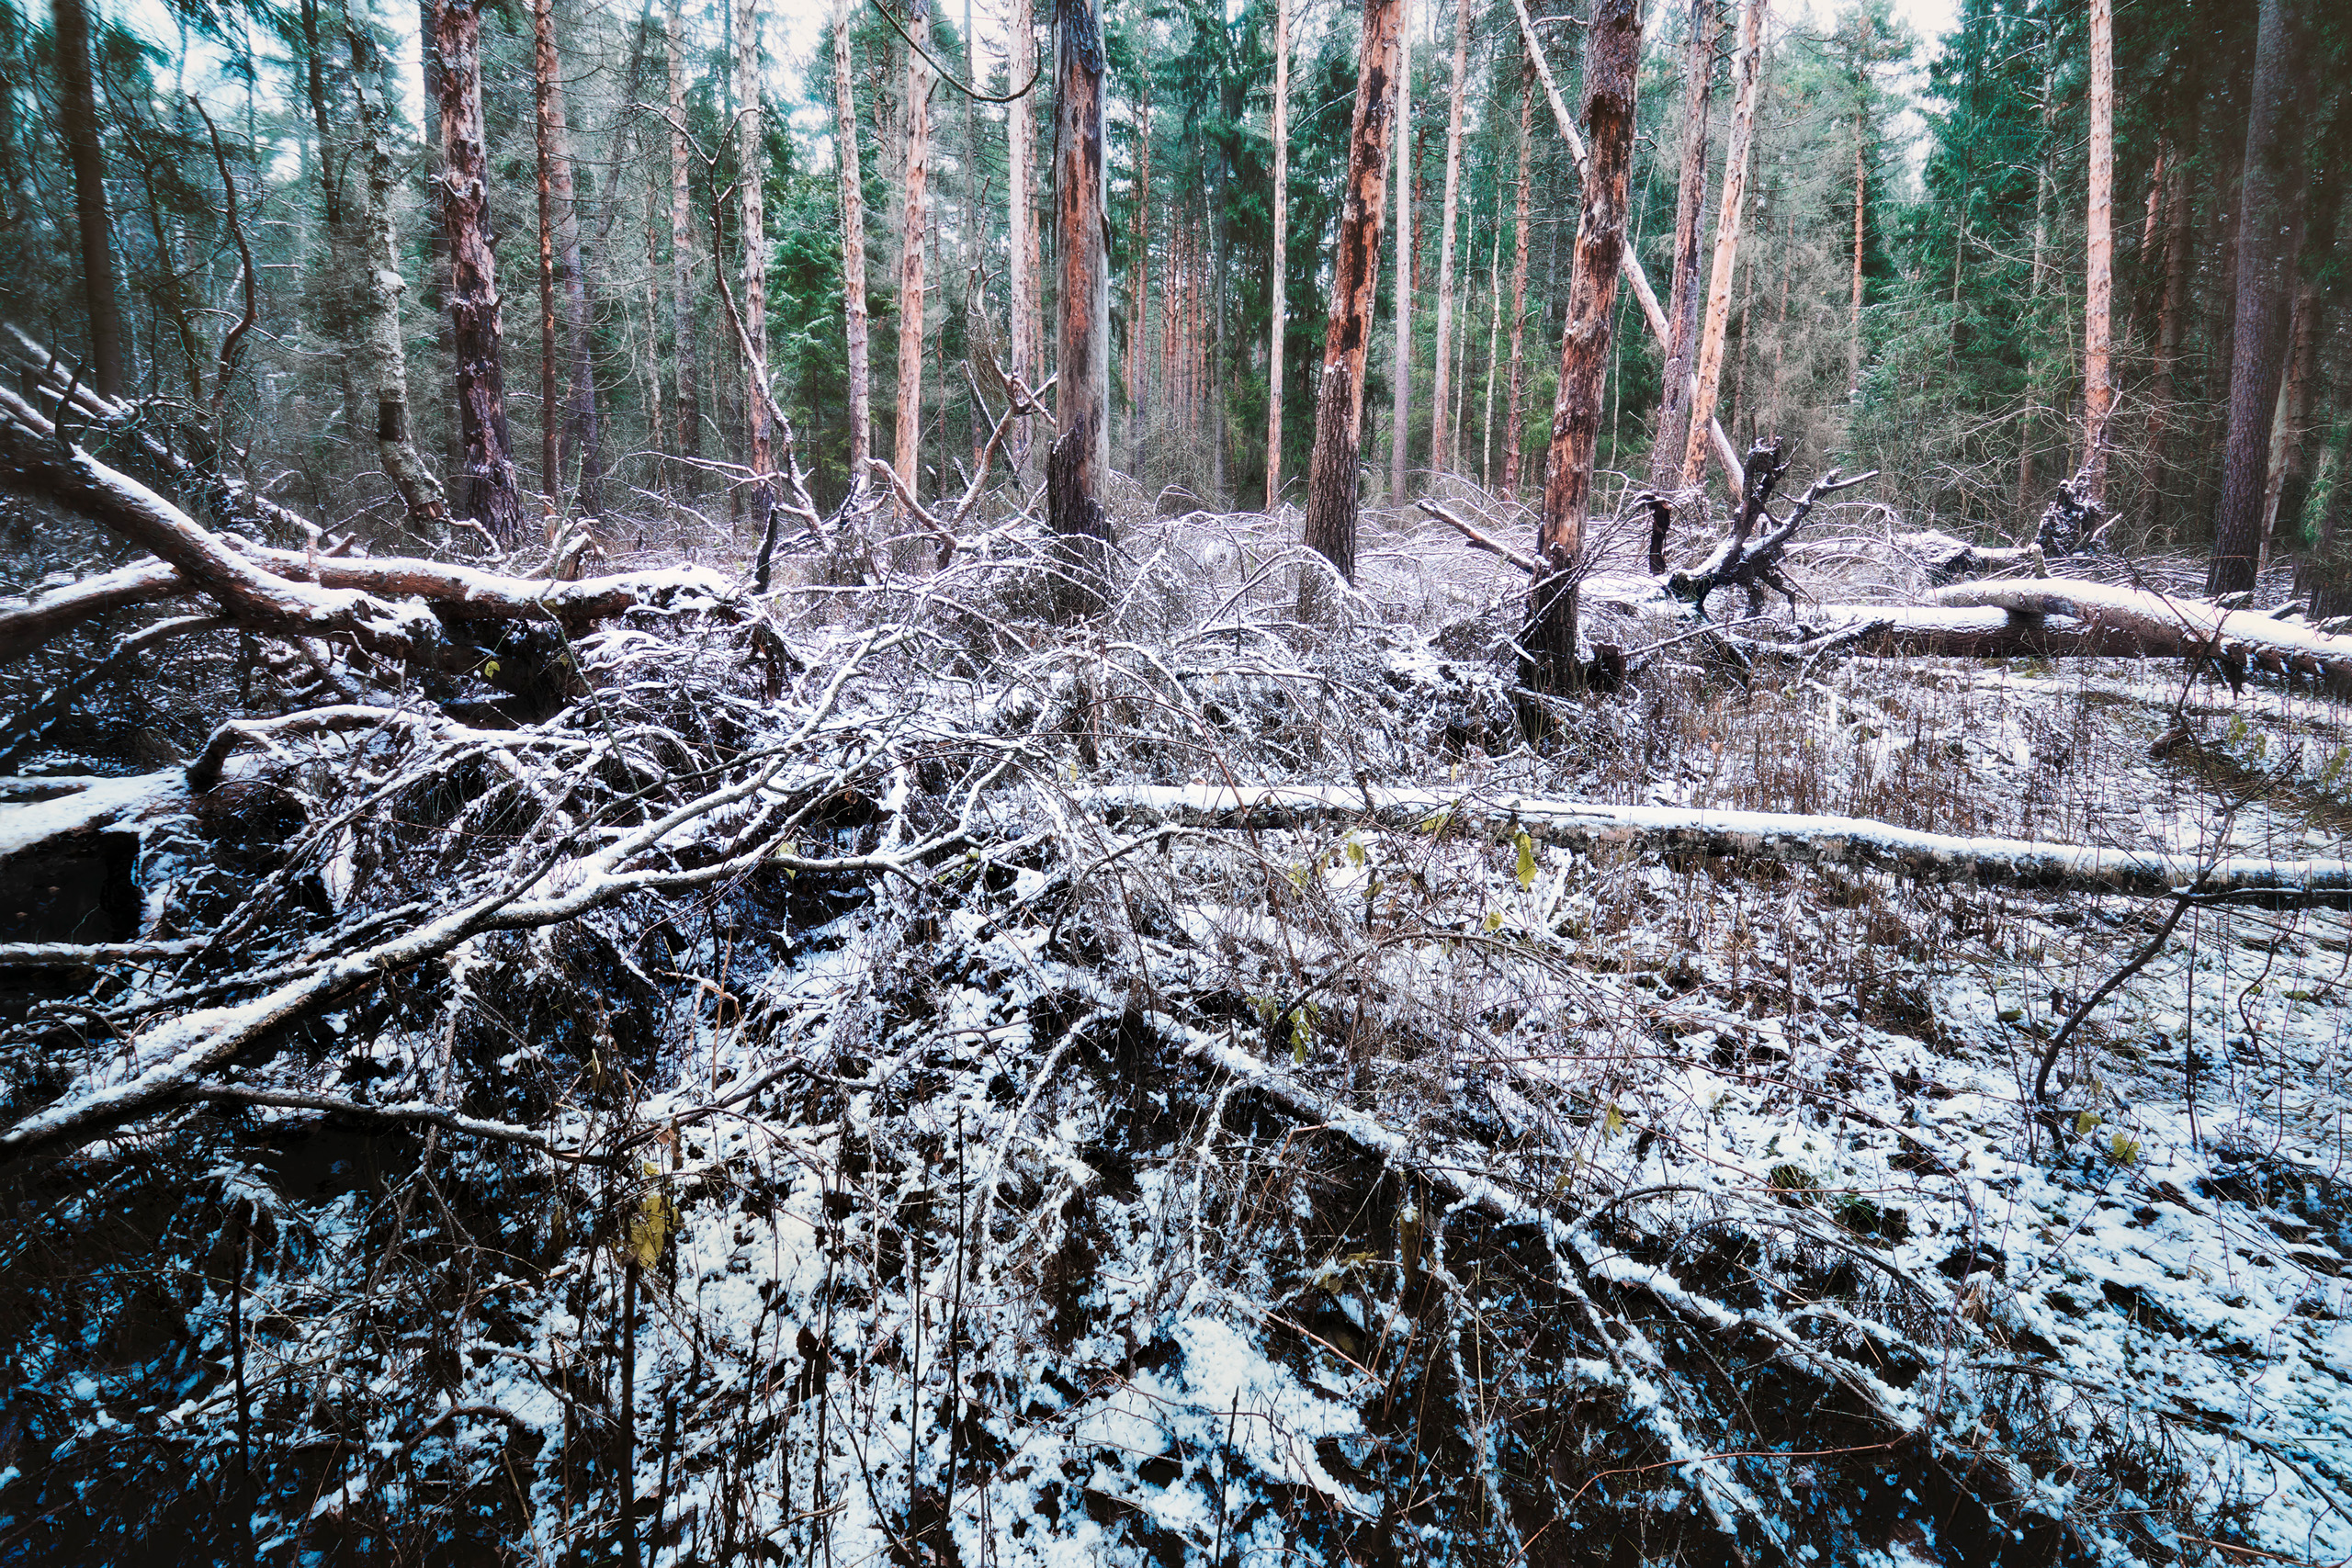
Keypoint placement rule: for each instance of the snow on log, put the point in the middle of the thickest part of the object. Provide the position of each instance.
(50, 610)
(1851, 842)
(2238, 639)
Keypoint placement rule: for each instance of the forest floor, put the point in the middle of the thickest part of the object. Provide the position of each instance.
(1109, 1183)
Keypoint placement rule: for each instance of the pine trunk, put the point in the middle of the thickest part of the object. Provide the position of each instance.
(1081, 452)
(1278, 278)
(682, 254)
(2269, 234)
(2163, 418)
(487, 492)
(752, 169)
(1727, 222)
(1513, 434)
(78, 120)
(1139, 295)
(853, 200)
(1027, 346)
(1494, 343)
(1441, 406)
(908, 433)
(1331, 498)
(1673, 435)
(1613, 49)
(1400, 408)
(2287, 421)
(2099, 387)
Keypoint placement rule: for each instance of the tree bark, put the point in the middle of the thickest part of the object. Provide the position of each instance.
(1278, 279)
(1140, 296)
(2287, 419)
(487, 492)
(751, 170)
(683, 347)
(1331, 499)
(1514, 436)
(852, 199)
(1673, 436)
(546, 102)
(1494, 343)
(383, 367)
(1083, 394)
(1727, 223)
(2269, 234)
(78, 120)
(1027, 334)
(1612, 50)
(2164, 417)
(909, 431)
(1441, 447)
(2098, 384)
(1400, 404)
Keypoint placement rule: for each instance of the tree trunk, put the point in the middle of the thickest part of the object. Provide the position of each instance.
(2164, 417)
(1613, 49)
(1711, 341)
(1440, 448)
(2269, 234)
(546, 102)
(1027, 334)
(1673, 435)
(1331, 498)
(682, 254)
(1400, 408)
(2287, 419)
(752, 171)
(1140, 295)
(2098, 386)
(1513, 435)
(487, 492)
(78, 117)
(1494, 344)
(852, 199)
(383, 367)
(1082, 395)
(1278, 280)
(908, 433)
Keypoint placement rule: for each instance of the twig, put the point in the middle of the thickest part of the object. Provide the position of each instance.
(1525, 563)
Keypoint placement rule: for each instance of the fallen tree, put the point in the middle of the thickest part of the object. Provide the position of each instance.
(425, 617)
(1586, 826)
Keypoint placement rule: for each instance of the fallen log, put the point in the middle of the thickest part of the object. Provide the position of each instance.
(1855, 843)
(425, 616)
(2235, 640)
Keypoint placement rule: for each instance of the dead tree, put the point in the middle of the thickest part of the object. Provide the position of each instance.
(1548, 642)
(1081, 453)
(1745, 559)
(487, 492)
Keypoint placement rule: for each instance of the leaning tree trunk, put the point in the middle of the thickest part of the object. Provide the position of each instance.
(1139, 286)
(1612, 48)
(1401, 405)
(486, 491)
(1331, 498)
(2269, 233)
(383, 363)
(752, 169)
(78, 120)
(905, 457)
(1081, 453)
(1727, 222)
(1682, 299)
(683, 347)
(1277, 278)
(2098, 385)
(1513, 436)
(1441, 447)
(853, 198)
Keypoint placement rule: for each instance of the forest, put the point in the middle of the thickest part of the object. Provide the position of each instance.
(1407, 782)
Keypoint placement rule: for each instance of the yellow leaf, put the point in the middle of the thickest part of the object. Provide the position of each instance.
(2085, 1121)
(1613, 1122)
(1355, 853)
(490, 669)
(1493, 921)
(1526, 860)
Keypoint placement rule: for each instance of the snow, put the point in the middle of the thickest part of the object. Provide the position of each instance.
(79, 803)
